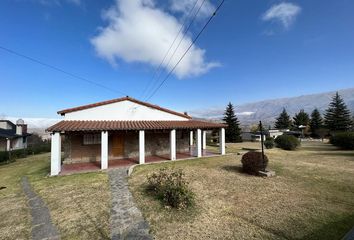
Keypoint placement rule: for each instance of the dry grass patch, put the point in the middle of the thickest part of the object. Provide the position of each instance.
(79, 204)
(312, 197)
(15, 220)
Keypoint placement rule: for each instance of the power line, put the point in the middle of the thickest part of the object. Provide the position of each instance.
(168, 51)
(187, 29)
(60, 70)
(190, 46)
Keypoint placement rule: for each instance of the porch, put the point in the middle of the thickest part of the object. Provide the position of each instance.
(126, 162)
(90, 149)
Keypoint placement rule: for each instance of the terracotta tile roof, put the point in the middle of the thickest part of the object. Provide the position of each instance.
(72, 126)
(62, 112)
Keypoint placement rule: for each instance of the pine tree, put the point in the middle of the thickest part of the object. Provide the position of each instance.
(301, 118)
(337, 116)
(316, 122)
(283, 121)
(233, 131)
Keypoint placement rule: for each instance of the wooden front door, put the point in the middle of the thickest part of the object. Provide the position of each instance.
(117, 145)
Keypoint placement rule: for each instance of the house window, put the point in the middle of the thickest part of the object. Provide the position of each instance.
(91, 139)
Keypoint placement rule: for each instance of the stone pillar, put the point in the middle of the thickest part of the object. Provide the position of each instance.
(204, 140)
(199, 143)
(55, 156)
(8, 144)
(191, 138)
(104, 150)
(222, 141)
(173, 144)
(141, 146)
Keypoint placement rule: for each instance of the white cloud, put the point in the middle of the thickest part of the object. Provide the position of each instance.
(245, 113)
(139, 31)
(184, 7)
(285, 13)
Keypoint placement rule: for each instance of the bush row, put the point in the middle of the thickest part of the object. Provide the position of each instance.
(344, 140)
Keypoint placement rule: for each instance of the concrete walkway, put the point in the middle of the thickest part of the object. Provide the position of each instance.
(42, 227)
(126, 219)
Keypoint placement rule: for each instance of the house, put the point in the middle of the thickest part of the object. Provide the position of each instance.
(115, 131)
(13, 136)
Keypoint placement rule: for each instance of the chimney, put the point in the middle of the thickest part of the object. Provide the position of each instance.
(21, 127)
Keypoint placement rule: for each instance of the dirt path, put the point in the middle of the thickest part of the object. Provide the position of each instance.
(42, 227)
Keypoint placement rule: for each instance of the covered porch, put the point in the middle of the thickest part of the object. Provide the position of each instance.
(127, 145)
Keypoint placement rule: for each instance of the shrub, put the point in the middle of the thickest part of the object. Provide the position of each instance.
(252, 162)
(343, 140)
(171, 188)
(4, 156)
(269, 143)
(287, 142)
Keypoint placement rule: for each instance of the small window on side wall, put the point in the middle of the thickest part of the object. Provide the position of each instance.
(92, 139)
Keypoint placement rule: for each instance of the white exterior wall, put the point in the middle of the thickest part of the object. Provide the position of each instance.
(124, 111)
(18, 143)
(5, 125)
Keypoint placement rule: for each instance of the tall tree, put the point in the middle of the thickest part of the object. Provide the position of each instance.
(301, 118)
(283, 121)
(316, 122)
(233, 130)
(337, 116)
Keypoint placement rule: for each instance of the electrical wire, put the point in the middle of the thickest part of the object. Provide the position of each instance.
(185, 53)
(158, 69)
(60, 70)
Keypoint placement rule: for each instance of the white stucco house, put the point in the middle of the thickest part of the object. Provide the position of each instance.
(112, 132)
(13, 136)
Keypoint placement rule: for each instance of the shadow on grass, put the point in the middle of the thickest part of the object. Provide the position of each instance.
(332, 230)
(233, 168)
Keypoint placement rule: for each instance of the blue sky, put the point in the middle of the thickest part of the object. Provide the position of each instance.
(252, 50)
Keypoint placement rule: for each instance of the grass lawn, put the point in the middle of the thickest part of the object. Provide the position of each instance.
(79, 204)
(312, 196)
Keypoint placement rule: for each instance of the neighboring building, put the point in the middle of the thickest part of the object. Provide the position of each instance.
(256, 136)
(13, 136)
(126, 128)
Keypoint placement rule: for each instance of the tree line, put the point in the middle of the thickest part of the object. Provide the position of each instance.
(337, 118)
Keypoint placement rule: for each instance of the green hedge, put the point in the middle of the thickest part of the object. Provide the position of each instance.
(287, 142)
(6, 156)
(344, 140)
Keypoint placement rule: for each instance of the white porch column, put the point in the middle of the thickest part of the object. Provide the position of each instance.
(191, 138)
(55, 157)
(173, 144)
(204, 140)
(104, 149)
(8, 144)
(141, 146)
(222, 141)
(199, 143)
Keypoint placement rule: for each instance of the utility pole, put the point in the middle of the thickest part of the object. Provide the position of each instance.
(261, 129)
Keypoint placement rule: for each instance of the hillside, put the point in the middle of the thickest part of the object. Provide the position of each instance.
(268, 110)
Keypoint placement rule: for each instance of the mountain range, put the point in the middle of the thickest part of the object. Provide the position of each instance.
(268, 110)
